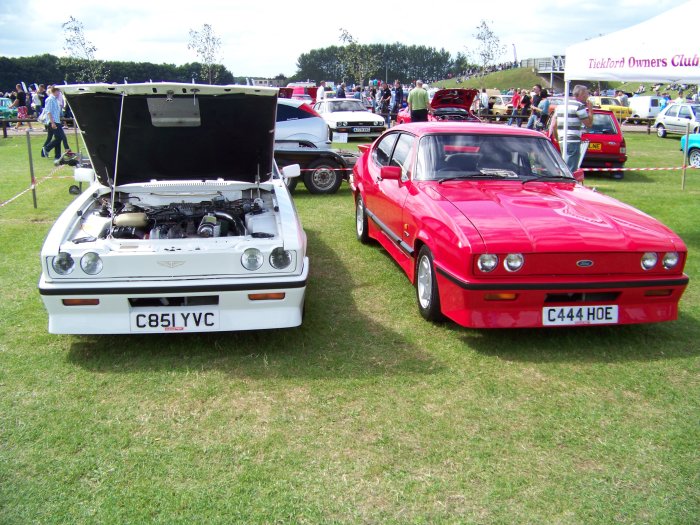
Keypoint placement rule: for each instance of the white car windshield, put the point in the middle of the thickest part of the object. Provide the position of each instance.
(446, 157)
(346, 105)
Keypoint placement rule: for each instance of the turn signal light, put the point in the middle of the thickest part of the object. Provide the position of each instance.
(277, 296)
(81, 302)
(500, 296)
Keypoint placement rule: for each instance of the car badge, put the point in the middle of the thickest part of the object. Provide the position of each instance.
(171, 264)
(584, 263)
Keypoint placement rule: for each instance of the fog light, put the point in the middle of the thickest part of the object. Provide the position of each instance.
(91, 263)
(63, 263)
(280, 258)
(487, 262)
(649, 260)
(671, 260)
(252, 259)
(513, 262)
(500, 296)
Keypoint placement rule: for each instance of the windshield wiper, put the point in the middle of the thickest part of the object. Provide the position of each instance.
(472, 176)
(551, 178)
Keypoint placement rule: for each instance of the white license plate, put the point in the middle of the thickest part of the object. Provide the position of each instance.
(579, 315)
(174, 319)
(360, 130)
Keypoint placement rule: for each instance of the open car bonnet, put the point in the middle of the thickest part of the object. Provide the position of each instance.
(453, 98)
(168, 132)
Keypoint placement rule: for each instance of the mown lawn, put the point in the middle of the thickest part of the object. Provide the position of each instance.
(365, 414)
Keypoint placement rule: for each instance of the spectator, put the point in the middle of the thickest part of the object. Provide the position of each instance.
(515, 102)
(53, 110)
(384, 102)
(622, 98)
(525, 103)
(321, 91)
(20, 103)
(418, 102)
(577, 114)
(341, 91)
(541, 111)
(357, 93)
(484, 102)
(536, 97)
(398, 99)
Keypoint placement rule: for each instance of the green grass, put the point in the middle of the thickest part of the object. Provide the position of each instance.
(365, 414)
(503, 80)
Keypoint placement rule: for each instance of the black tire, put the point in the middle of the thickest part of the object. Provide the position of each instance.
(291, 183)
(361, 220)
(694, 157)
(426, 286)
(661, 131)
(323, 178)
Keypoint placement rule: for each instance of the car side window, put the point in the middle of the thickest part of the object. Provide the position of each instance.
(684, 112)
(672, 111)
(402, 153)
(382, 152)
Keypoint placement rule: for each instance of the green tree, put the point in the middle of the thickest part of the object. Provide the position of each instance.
(489, 48)
(357, 61)
(207, 47)
(80, 61)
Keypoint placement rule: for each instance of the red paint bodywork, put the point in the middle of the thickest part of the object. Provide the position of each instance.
(447, 104)
(553, 224)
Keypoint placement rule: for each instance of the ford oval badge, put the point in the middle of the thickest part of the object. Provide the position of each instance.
(584, 263)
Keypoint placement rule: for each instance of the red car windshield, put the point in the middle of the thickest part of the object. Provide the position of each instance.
(450, 156)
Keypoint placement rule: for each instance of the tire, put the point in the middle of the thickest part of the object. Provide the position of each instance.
(324, 177)
(361, 220)
(426, 286)
(660, 131)
(694, 157)
(291, 183)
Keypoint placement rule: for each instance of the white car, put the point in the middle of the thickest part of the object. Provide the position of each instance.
(188, 225)
(349, 115)
(299, 126)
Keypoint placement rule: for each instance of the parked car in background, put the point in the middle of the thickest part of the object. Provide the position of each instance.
(606, 144)
(168, 242)
(644, 106)
(677, 119)
(693, 149)
(494, 231)
(501, 105)
(5, 110)
(447, 105)
(611, 104)
(299, 125)
(349, 115)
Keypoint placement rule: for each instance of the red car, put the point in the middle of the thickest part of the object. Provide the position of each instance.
(447, 104)
(606, 144)
(495, 232)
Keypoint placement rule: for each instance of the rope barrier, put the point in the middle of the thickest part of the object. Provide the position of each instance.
(35, 183)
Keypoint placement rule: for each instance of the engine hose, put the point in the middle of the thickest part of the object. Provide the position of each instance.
(235, 222)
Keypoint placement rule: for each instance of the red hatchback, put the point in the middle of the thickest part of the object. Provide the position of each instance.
(447, 105)
(606, 144)
(495, 232)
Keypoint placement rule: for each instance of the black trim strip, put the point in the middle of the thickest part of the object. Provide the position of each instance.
(562, 286)
(173, 289)
(397, 239)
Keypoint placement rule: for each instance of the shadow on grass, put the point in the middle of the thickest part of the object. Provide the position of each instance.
(336, 340)
(642, 342)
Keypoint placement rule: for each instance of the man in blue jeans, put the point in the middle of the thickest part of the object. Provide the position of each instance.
(53, 111)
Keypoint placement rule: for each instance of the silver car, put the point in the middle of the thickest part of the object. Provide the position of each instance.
(677, 118)
(299, 125)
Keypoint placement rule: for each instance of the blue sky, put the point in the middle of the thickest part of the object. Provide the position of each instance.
(265, 38)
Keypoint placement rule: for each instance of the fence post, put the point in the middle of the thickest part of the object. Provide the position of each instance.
(31, 168)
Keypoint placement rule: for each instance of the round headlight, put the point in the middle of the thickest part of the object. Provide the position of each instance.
(379, 123)
(513, 262)
(649, 260)
(252, 259)
(342, 124)
(91, 263)
(280, 258)
(671, 260)
(487, 262)
(63, 263)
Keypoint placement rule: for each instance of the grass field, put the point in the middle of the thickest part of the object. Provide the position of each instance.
(364, 414)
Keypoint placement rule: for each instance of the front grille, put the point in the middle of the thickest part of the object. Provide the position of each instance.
(587, 297)
(166, 302)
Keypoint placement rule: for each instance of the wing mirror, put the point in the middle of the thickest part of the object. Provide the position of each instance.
(390, 173)
(291, 171)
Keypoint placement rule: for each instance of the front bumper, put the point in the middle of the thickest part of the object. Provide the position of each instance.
(124, 308)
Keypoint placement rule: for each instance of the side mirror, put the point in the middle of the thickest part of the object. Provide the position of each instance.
(579, 175)
(291, 171)
(390, 173)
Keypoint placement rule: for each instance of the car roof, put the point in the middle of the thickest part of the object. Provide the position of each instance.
(427, 128)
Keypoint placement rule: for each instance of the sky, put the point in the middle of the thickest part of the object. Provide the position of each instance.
(265, 38)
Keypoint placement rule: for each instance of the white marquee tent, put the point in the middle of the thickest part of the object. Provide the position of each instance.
(662, 49)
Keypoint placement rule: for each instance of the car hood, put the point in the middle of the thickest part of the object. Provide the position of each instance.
(173, 132)
(453, 98)
(554, 217)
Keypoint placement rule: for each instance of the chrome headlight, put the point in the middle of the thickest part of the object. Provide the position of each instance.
(63, 263)
(487, 262)
(341, 124)
(91, 263)
(379, 123)
(252, 259)
(280, 258)
(513, 262)
(671, 260)
(649, 260)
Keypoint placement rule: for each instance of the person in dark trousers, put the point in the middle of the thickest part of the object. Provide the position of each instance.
(53, 110)
(398, 99)
(536, 98)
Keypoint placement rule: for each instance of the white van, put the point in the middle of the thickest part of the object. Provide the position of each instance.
(645, 106)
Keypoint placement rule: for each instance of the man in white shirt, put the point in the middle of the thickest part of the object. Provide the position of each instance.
(321, 92)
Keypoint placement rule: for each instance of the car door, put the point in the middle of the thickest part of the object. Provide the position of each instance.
(685, 118)
(671, 119)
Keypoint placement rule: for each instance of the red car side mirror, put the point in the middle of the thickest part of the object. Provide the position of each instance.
(390, 172)
(579, 175)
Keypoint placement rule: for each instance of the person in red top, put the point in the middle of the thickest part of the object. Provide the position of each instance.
(516, 106)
